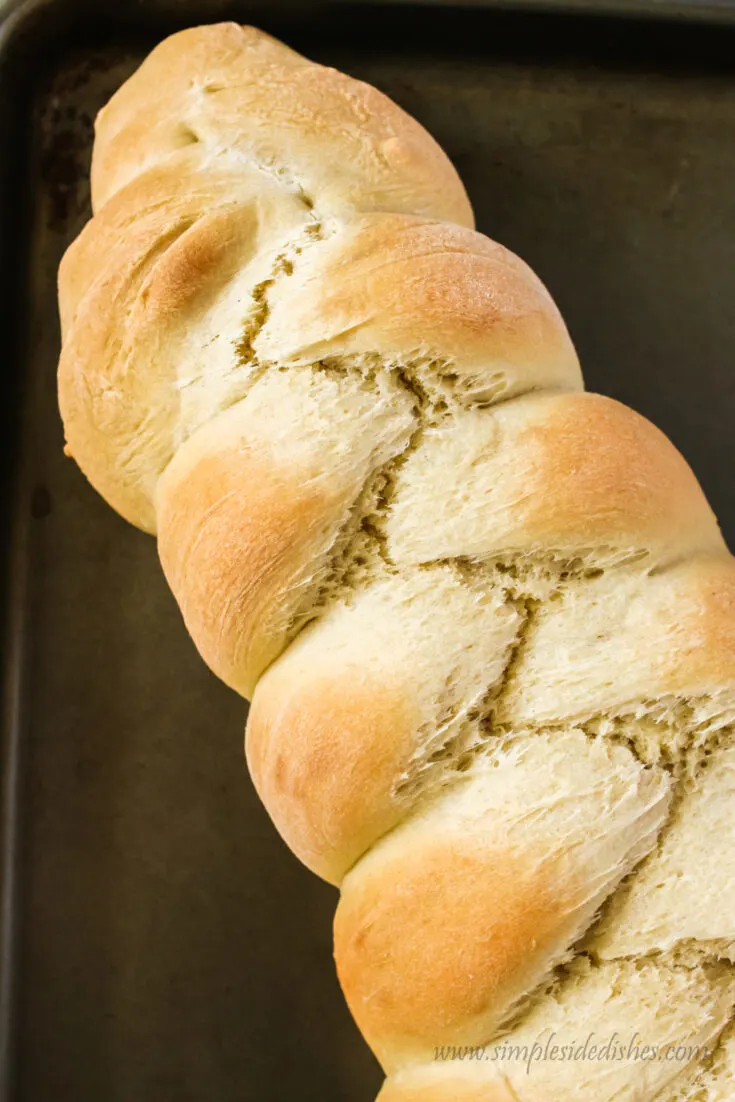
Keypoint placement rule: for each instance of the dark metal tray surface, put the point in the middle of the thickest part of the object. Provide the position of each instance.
(158, 940)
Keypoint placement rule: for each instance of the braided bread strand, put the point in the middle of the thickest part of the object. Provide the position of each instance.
(486, 620)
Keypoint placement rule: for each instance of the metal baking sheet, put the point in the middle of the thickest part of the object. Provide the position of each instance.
(158, 940)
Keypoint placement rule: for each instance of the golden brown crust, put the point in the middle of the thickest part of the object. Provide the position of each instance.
(571, 475)
(138, 219)
(142, 291)
(416, 291)
(325, 756)
(703, 625)
(424, 949)
(446, 1088)
(238, 92)
(222, 548)
(700, 627)
(603, 471)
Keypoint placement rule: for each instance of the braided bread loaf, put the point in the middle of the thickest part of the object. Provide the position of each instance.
(486, 620)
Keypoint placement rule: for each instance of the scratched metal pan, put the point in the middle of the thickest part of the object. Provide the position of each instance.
(158, 941)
